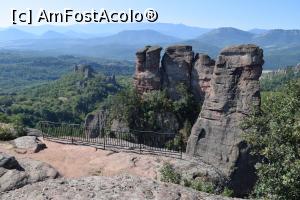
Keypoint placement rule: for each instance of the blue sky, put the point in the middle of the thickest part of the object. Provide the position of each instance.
(243, 14)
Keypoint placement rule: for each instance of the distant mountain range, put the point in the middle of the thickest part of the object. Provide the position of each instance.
(96, 30)
(120, 41)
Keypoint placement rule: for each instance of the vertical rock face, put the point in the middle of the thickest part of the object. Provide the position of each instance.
(95, 123)
(147, 74)
(216, 136)
(177, 64)
(201, 75)
(84, 69)
(178, 67)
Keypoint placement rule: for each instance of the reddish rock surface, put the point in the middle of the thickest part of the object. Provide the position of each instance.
(147, 73)
(201, 75)
(177, 64)
(178, 67)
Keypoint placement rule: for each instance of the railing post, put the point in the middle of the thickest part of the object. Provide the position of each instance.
(181, 151)
(140, 141)
(39, 127)
(104, 138)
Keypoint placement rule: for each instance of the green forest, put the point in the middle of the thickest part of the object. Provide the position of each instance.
(68, 99)
(21, 70)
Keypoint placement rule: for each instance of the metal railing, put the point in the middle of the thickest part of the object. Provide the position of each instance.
(134, 140)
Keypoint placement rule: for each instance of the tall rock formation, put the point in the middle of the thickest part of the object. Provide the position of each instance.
(87, 70)
(177, 64)
(216, 136)
(147, 74)
(178, 67)
(201, 75)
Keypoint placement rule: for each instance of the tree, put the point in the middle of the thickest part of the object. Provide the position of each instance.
(274, 134)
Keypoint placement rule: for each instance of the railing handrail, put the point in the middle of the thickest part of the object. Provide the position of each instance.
(105, 129)
(78, 133)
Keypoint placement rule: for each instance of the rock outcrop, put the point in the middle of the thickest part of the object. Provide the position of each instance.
(147, 74)
(177, 64)
(216, 136)
(95, 123)
(84, 69)
(179, 67)
(119, 126)
(201, 75)
(28, 144)
(18, 173)
(98, 187)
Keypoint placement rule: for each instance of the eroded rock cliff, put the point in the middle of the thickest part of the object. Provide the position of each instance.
(84, 69)
(201, 75)
(176, 67)
(216, 136)
(147, 74)
(230, 90)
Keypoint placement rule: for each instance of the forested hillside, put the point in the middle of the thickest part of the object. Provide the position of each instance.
(273, 81)
(68, 99)
(20, 70)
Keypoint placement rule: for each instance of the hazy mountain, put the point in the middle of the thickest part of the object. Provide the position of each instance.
(180, 30)
(73, 34)
(53, 35)
(258, 31)
(225, 36)
(200, 47)
(281, 47)
(14, 34)
(118, 46)
(278, 37)
(278, 57)
(140, 37)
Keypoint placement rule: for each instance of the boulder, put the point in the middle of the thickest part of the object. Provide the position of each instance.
(147, 74)
(119, 126)
(8, 162)
(176, 66)
(95, 123)
(216, 136)
(31, 144)
(17, 173)
(201, 75)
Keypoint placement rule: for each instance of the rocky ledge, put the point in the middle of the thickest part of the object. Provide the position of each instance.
(99, 187)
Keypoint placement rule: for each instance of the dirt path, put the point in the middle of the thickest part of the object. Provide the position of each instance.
(80, 161)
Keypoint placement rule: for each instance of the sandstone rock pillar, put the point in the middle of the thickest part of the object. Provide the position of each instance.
(216, 136)
(147, 73)
(201, 75)
(177, 64)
